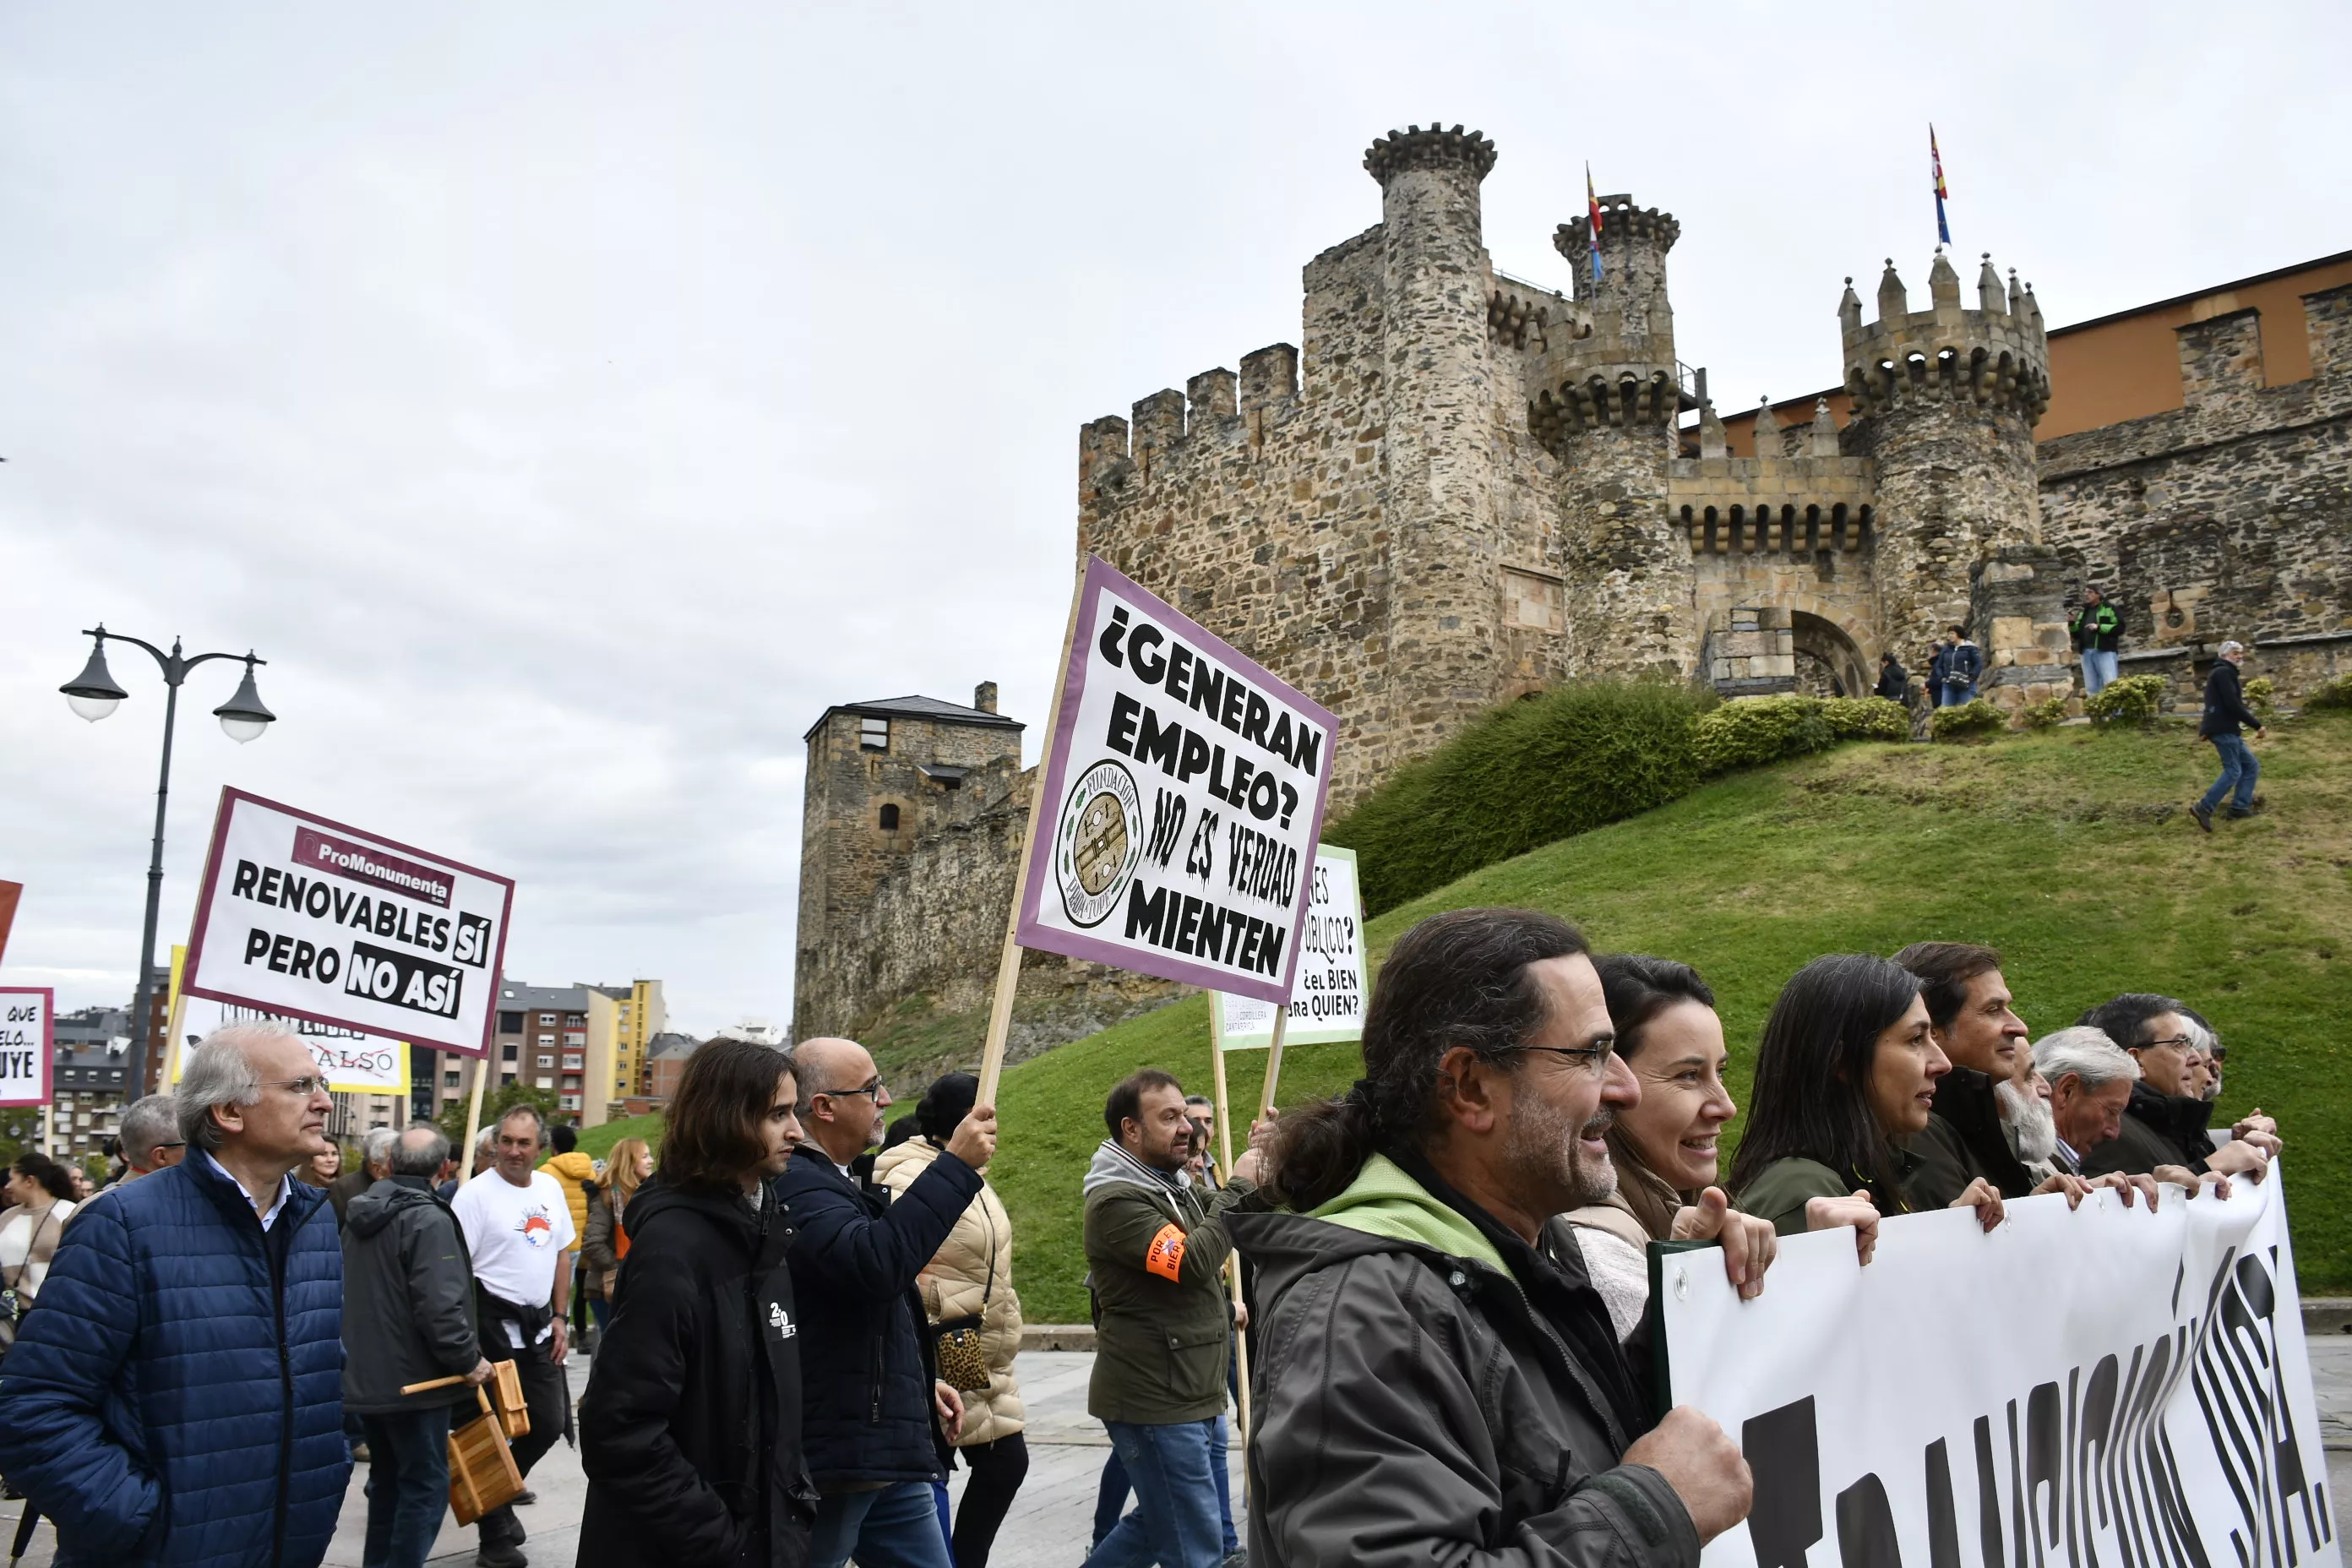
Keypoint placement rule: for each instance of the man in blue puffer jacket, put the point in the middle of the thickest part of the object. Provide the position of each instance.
(176, 1397)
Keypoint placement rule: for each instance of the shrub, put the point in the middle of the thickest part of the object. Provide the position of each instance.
(1974, 717)
(2262, 695)
(1750, 731)
(2335, 693)
(2043, 714)
(1528, 773)
(2134, 699)
(1867, 718)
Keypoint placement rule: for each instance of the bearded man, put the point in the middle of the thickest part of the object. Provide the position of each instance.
(1440, 1381)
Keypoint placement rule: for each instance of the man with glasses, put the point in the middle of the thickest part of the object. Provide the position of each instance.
(2164, 1123)
(871, 1401)
(176, 1397)
(518, 1229)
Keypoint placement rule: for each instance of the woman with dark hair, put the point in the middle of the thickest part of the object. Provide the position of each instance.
(691, 1432)
(967, 1290)
(1845, 1077)
(39, 1200)
(1663, 1147)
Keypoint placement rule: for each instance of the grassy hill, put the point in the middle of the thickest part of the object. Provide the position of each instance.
(2069, 850)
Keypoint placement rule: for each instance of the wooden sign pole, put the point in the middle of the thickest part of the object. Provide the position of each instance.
(1008, 963)
(1274, 1061)
(1225, 1167)
(474, 1121)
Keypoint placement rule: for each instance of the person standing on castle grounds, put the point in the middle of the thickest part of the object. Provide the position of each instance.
(1156, 1255)
(1845, 1080)
(408, 1317)
(628, 1167)
(1441, 1381)
(1894, 680)
(518, 1228)
(2163, 1125)
(2226, 716)
(1960, 662)
(873, 1407)
(175, 1397)
(974, 1316)
(690, 1431)
(2098, 633)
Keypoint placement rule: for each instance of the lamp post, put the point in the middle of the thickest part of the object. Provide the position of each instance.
(93, 695)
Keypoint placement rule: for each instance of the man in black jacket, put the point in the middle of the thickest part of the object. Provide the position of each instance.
(870, 1394)
(408, 1317)
(2226, 715)
(2163, 1125)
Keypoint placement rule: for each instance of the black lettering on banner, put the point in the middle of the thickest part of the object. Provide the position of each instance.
(1200, 860)
(2043, 1447)
(241, 885)
(1168, 810)
(270, 878)
(1943, 1522)
(1865, 1523)
(1200, 928)
(1145, 918)
(403, 979)
(256, 944)
(472, 941)
(1784, 1455)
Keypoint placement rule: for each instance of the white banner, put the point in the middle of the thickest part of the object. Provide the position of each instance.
(352, 1063)
(2101, 1388)
(309, 919)
(26, 1046)
(1184, 790)
(1326, 1002)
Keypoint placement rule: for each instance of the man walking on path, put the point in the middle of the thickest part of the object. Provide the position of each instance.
(1442, 1382)
(174, 1397)
(2098, 633)
(408, 1317)
(1156, 1258)
(518, 1227)
(2226, 714)
(872, 1405)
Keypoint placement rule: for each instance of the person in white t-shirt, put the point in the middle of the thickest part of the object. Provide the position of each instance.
(518, 1226)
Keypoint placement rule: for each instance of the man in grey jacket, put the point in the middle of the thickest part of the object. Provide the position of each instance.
(408, 1317)
(1440, 1381)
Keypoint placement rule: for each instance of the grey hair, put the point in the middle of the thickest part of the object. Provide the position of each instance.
(523, 1108)
(148, 1122)
(486, 1142)
(220, 1071)
(2228, 648)
(2084, 1053)
(376, 1147)
(410, 1157)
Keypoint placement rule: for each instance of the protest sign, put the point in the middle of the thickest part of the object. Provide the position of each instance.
(304, 917)
(2099, 1386)
(1182, 796)
(1327, 997)
(10, 892)
(27, 1045)
(350, 1062)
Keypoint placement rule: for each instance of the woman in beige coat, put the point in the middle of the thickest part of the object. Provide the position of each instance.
(971, 1277)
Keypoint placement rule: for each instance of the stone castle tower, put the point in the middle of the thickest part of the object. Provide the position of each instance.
(1472, 487)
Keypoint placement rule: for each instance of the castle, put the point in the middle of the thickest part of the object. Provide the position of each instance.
(1469, 486)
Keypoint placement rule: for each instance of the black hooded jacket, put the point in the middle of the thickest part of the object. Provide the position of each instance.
(691, 1432)
(408, 1300)
(1962, 1141)
(2157, 1129)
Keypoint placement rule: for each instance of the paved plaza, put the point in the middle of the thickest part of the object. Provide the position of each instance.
(1051, 1519)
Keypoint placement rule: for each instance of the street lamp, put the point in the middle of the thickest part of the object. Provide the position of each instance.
(93, 695)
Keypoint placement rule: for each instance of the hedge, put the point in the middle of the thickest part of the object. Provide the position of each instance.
(2335, 693)
(2134, 699)
(1972, 718)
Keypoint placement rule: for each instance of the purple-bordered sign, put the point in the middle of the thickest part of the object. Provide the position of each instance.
(27, 1044)
(1182, 797)
(312, 919)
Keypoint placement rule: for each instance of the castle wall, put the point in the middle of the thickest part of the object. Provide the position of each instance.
(2228, 517)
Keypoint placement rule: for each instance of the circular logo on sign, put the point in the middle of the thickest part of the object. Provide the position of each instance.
(1097, 842)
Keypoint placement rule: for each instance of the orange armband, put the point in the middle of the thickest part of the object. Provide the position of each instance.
(1165, 1255)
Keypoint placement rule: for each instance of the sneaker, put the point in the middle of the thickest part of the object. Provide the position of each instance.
(2204, 815)
(526, 1497)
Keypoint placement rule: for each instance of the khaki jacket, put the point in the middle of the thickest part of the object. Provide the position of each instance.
(956, 1280)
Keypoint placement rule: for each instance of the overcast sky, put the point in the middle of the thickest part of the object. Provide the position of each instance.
(571, 401)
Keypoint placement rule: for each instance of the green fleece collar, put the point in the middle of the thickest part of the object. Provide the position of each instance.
(1384, 1201)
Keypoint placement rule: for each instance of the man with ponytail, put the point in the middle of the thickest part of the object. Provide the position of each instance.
(1441, 1381)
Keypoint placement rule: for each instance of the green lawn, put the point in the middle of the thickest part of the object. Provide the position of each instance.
(599, 1141)
(2069, 850)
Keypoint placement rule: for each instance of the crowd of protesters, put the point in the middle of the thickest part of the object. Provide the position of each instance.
(803, 1330)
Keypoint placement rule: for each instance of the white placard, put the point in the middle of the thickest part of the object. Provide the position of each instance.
(28, 1049)
(2105, 1386)
(1327, 1000)
(309, 919)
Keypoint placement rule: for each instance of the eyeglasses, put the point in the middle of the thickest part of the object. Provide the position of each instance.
(305, 1087)
(1593, 1060)
(873, 1088)
(2182, 1041)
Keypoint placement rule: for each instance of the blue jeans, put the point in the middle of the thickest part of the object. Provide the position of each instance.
(1110, 1495)
(2098, 669)
(2238, 767)
(1956, 693)
(407, 1486)
(897, 1527)
(1175, 1520)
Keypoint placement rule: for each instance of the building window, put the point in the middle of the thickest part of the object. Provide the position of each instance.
(572, 1061)
(509, 1053)
(546, 1082)
(547, 1017)
(509, 1022)
(547, 1039)
(547, 1061)
(449, 1081)
(874, 734)
(570, 1102)
(889, 816)
(574, 1038)
(507, 1078)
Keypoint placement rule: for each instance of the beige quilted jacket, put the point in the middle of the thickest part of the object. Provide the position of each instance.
(955, 1280)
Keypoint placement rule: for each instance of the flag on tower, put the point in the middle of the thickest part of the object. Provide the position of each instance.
(1593, 205)
(1936, 162)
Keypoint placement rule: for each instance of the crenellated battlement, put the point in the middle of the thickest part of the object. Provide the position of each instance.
(1522, 322)
(1622, 223)
(1599, 402)
(1435, 148)
(1996, 357)
(1217, 409)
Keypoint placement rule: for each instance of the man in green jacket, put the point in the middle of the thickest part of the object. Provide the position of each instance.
(1156, 1258)
(2097, 633)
